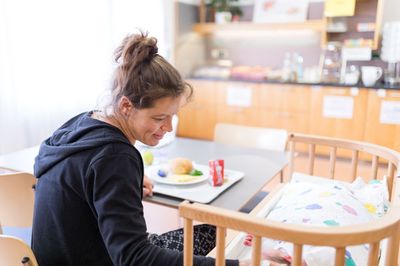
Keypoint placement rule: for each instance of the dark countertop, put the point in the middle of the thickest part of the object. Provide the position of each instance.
(379, 85)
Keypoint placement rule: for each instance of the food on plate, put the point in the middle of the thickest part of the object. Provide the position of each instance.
(182, 178)
(148, 157)
(181, 166)
(162, 172)
(196, 172)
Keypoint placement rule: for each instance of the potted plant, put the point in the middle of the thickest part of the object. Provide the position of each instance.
(236, 12)
(223, 10)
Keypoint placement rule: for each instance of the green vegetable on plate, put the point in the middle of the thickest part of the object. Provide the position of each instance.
(196, 172)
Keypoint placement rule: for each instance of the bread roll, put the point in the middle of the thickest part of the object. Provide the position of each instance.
(181, 166)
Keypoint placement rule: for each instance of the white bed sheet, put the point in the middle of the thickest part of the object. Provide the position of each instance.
(236, 249)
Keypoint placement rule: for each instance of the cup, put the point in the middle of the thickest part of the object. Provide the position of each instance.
(370, 74)
(352, 75)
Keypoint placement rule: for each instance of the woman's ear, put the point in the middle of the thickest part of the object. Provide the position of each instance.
(125, 106)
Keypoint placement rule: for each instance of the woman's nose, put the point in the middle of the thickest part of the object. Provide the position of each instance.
(167, 125)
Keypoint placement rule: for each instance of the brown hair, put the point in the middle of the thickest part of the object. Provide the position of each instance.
(143, 76)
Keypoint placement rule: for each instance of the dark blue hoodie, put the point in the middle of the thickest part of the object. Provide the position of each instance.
(88, 202)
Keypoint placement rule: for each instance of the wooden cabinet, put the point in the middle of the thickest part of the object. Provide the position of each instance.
(237, 103)
(382, 113)
(284, 106)
(364, 24)
(262, 105)
(338, 112)
(198, 117)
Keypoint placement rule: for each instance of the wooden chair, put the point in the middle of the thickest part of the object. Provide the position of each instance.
(372, 233)
(16, 199)
(251, 137)
(14, 252)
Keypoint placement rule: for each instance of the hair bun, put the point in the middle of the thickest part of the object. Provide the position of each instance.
(136, 49)
(154, 51)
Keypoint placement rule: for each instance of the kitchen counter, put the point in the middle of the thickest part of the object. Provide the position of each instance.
(358, 85)
(369, 114)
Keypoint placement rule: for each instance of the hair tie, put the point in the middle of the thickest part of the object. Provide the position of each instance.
(154, 51)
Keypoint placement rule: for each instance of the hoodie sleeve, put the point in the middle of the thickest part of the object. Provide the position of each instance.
(114, 192)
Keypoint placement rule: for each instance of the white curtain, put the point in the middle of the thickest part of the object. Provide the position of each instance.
(56, 59)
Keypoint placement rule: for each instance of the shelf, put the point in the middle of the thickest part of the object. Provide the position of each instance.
(208, 28)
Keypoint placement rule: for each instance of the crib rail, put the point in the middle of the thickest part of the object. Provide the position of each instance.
(339, 237)
(390, 157)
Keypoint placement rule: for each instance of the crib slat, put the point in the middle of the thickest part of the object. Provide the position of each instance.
(311, 158)
(354, 164)
(256, 251)
(292, 147)
(373, 254)
(188, 242)
(374, 168)
(297, 254)
(392, 253)
(221, 233)
(390, 177)
(339, 257)
(332, 162)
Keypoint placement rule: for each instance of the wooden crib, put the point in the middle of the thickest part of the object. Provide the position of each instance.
(372, 233)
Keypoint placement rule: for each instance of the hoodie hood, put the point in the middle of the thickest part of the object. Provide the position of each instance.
(78, 134)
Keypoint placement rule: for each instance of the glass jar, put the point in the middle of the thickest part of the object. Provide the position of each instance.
(331, 62)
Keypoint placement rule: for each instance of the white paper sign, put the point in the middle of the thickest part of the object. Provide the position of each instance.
(390, 112)
(338, 107)
(239, 96)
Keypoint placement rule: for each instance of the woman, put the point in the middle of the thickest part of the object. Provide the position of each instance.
(88, 208)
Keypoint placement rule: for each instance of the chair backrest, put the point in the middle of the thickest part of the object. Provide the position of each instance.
(251, 137)
(376, 155)
(16, 199)
(14, 252)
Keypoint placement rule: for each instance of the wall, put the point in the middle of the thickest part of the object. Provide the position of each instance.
(391, 10)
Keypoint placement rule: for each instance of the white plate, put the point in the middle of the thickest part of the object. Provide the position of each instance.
(152, 173)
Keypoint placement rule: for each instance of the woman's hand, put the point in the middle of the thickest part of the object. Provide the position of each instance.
(147, 186)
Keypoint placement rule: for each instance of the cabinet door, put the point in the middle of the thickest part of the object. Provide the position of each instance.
(290, 121)
(197, 118)
(284, 106)
(383, 118)
(338, 112)
(237, 103)
(285, 98)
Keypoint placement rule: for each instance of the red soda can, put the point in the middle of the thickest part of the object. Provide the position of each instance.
(216, 172)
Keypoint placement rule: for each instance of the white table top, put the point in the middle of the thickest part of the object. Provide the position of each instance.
(258, 165)
(20, 161)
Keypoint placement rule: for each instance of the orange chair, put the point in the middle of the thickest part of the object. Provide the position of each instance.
(14, 252)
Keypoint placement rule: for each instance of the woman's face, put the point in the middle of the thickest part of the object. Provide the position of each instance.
(149, 125)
